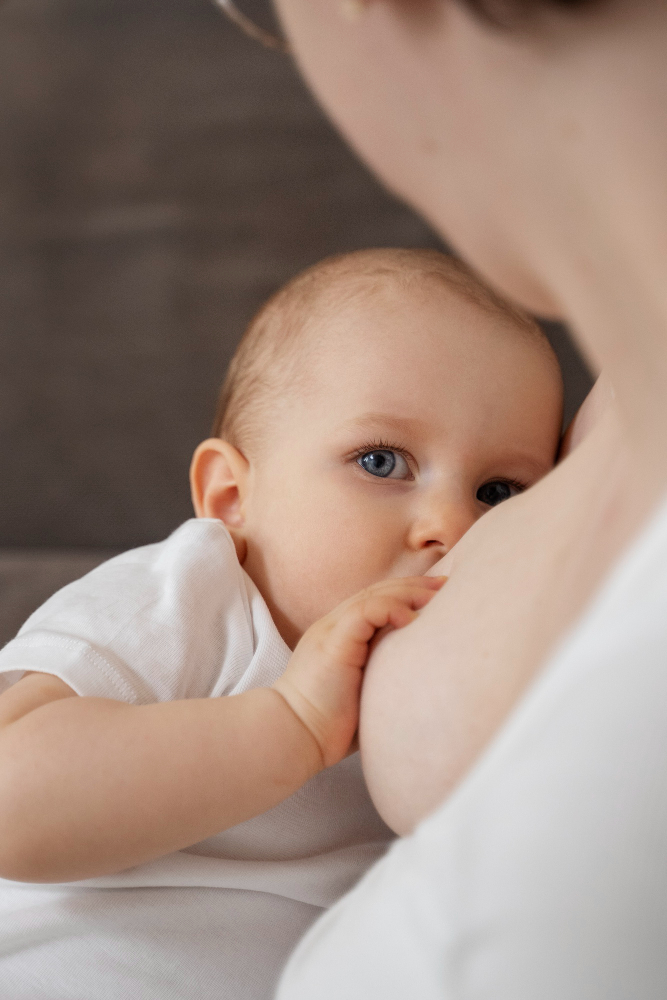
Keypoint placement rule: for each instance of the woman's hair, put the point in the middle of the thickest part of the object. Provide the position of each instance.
(513, 13)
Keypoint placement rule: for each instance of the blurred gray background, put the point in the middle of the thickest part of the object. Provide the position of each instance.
(160, 175)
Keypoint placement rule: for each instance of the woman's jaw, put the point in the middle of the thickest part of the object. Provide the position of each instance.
(539, 156)
(424, 93)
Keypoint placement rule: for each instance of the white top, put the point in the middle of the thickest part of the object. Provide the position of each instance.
(544, 877)
(180, 619)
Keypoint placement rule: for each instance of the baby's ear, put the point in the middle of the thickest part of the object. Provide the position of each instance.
(218, 482)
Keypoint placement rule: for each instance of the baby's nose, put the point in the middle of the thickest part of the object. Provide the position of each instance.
(442, 525)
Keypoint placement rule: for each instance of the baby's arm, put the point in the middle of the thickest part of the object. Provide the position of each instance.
(91, 786)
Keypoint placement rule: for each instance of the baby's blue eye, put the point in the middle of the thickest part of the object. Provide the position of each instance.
(385, 464)
(494, 493)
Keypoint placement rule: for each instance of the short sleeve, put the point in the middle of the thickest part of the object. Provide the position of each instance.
(158, 623)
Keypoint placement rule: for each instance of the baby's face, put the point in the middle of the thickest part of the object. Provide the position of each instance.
(422, 413)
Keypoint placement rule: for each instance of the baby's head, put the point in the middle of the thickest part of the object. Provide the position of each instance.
(377, 406)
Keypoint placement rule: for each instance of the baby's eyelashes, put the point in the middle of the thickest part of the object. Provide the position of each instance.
(498, 490)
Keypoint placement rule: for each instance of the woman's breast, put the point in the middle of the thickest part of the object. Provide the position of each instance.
(436, 692)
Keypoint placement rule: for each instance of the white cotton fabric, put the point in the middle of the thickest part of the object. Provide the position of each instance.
(544, 877)
(180, 619)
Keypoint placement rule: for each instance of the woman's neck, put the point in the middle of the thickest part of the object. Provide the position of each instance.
(614, 294)
(607, 266)
(627, 337)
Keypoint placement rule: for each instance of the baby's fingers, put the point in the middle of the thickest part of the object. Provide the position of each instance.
(415, 591)
(399, 607)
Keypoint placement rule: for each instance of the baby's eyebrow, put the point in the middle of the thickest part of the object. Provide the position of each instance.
(384, 421)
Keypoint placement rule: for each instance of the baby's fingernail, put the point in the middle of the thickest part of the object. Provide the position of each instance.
(438, 579)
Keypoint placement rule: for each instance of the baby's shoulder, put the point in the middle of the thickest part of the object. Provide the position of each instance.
(165, 621)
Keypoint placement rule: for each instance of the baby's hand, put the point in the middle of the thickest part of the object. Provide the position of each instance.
(322, 682)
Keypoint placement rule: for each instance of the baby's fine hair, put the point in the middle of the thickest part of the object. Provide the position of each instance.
(269, 359)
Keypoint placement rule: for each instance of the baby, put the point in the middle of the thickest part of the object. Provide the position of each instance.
(158, 840)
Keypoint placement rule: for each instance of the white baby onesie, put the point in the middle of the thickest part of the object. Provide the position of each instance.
(179, 619)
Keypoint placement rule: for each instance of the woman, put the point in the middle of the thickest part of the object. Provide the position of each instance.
(532, 134)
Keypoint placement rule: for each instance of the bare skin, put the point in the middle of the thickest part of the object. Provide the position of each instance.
(90, 786)
(143, 786)
(518, 572)
(541, 156)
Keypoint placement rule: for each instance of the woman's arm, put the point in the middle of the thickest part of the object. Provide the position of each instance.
(435, 693)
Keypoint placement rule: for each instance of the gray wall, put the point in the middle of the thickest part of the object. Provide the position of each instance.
(160, 175)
